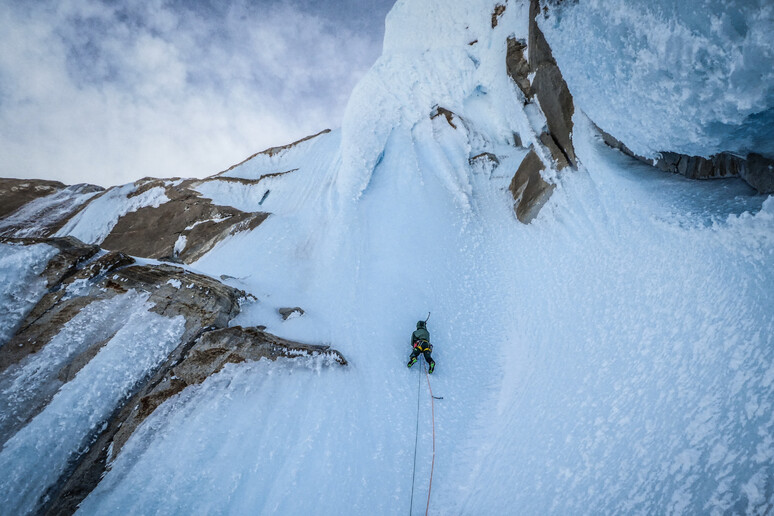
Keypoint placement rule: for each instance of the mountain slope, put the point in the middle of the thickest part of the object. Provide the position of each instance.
(616, 354)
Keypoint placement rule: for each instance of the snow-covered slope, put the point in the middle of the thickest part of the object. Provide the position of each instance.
(616, 355)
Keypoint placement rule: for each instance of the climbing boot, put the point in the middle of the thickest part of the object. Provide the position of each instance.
(432, 367)
(412, 362)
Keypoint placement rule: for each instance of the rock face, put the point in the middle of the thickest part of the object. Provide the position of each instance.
(208, 355)
(756, 170)
(498, 11)
(40, 208)
(530, 191)
(441, 111)
(531, 65)
(15, 193)
(549, 86)
(517, 65)
(102, 288)
(287, 313)
(182, 229)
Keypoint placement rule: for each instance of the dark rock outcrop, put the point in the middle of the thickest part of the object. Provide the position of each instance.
(208, 355)
(517, 66)
(441, 111)
(533, 59)
(530, 191)
(14, 193)
(498, 11)
(287, 313)
(549, 86)
(182, 229)
(756, 170)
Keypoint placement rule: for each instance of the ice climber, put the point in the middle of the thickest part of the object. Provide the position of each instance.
(420, 341)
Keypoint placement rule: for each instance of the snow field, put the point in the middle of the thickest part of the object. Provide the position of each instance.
(363, 284)
(611, 356)
(646, 386)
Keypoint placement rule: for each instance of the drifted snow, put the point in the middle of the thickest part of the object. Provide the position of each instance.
(428, 61)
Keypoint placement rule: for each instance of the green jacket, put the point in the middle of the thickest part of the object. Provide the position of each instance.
(420, 334)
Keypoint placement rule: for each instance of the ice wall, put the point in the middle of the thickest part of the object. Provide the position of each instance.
(435, 54)
(702, 73)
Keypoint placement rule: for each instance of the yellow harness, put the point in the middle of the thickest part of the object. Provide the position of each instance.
(423, 345)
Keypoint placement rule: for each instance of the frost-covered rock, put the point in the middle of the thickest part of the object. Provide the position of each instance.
(289, 313)
(40, 208)
(183, 228)
(207, 356)
(20, 283)
(94, 307)
(151, 218)
(15, 193)
(101, 343)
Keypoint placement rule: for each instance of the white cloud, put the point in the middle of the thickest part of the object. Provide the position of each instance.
(111, 92)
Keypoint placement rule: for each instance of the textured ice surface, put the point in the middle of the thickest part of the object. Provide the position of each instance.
(20, 285)
(702, 72)
(37, 454)
(28, 385)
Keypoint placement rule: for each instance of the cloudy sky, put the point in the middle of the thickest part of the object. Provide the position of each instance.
(109, 91)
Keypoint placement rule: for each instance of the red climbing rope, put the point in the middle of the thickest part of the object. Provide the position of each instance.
(432, 466)
(416, 438)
